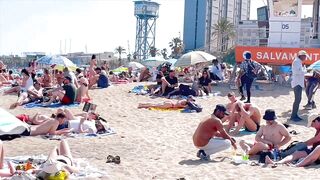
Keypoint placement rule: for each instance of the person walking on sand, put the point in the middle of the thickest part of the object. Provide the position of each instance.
(248, 72)
(273, 135)
(297, 83)
(210, 136)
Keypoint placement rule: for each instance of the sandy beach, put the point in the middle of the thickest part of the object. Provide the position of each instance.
(158, 145)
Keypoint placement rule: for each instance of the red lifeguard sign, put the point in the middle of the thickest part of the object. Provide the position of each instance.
(276, 56)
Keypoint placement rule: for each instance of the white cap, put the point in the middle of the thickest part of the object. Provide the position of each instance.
(302, 53)
(312, 117)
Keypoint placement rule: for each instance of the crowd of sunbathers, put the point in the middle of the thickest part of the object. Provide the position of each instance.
(214, 135)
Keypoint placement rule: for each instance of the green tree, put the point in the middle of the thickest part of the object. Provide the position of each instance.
(164, 53)
(120, 50)
(176, 46)
(153, 51)
(223, 31)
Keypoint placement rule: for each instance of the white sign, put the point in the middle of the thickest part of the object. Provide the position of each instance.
(284, 23)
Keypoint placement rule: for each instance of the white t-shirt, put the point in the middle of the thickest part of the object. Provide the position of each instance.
(298, 72)
(88, 126)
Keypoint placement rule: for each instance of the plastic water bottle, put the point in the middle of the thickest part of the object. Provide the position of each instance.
(275, 154)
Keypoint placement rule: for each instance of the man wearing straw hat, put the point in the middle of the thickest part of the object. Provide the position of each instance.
(297, 83)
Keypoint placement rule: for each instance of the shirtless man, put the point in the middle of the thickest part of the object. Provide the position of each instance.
(247, 115)
(168, 104)
(210, 137)
(273, 135)
(230, 106)
(47, 127)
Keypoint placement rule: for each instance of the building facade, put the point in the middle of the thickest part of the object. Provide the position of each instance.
(201, 16)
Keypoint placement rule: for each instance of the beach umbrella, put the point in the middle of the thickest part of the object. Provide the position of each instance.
(153, 61)
(193, 58)
(135, 65)
(56, 61)
(172, 61)
(315, 65)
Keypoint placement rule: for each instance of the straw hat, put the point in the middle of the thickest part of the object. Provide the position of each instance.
(312, 117)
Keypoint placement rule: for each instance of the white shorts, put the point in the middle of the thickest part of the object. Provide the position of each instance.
(216, 145)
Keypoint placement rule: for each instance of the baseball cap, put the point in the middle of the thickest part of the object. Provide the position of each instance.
(222, 108)
(302, 53)
(247, 55)
(68, 77)
(312, 117)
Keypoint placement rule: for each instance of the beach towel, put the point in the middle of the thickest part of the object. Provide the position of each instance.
(108, 132)
(53, 105)
(86, 171)
(142, 90)
(165, 109)
(10, 125)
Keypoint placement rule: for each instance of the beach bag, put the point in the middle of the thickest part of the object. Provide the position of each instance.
(262, 156)
(194, 106)
(293, 147)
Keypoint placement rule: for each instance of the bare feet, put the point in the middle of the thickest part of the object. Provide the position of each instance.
(268, 160)
(14, 105)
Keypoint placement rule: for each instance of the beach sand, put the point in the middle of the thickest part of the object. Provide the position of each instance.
(158, 145)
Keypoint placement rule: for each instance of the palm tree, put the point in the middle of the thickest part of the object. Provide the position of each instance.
(153, 51)
(120, 50)
(176, 46)
(223, 31)
(164, 53)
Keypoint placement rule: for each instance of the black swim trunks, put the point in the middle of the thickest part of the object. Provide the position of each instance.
(27, 132)
(258, 127)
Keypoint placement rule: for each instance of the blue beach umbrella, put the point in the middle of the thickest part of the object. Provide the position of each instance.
(58, 61)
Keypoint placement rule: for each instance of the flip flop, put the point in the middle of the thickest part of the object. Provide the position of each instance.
(110, 159)
(117, 159)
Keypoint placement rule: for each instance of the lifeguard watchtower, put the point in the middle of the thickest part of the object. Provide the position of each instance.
(147, 13)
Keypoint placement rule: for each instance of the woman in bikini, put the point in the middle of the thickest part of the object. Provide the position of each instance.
(59, 161)
(46, 81)
(168, 104)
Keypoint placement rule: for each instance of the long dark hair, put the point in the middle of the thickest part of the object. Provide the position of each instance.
(24, 71)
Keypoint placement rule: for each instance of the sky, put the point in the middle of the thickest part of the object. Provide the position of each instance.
(92, 25)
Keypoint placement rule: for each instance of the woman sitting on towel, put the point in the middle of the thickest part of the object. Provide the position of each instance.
(168, 104)
(25, 85)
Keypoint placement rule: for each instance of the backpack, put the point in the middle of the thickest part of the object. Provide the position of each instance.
(250, 72)
(194, 106)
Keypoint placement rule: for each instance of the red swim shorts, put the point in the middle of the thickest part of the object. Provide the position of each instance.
(66, 100)
(23, 117)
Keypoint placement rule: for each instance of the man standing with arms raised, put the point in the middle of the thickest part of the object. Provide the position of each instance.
(297, 83)
(210, 136)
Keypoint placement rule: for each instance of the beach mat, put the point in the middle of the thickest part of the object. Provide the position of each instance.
(165, 109)
(110, 131)
(86, 171)
(53, 105)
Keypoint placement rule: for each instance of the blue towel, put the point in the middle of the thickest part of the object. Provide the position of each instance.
(53, 105)
(245, 132)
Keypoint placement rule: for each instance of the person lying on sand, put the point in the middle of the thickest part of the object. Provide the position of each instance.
(86, 122)
(59, 164)
(309, 155)
(271, 136)
(210, 136)
(247, 115)
(10, 170)
(49, 126)
(33, 120)
(168, 104)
